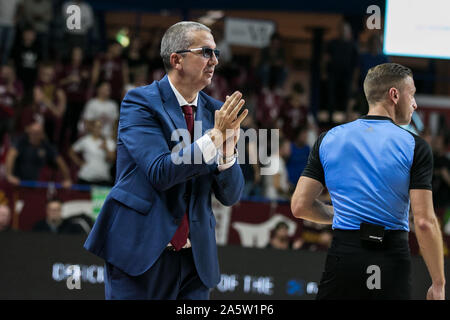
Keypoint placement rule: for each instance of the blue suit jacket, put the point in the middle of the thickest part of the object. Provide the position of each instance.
(146, 204)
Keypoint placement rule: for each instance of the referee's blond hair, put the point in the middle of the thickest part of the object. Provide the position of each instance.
(381, 78)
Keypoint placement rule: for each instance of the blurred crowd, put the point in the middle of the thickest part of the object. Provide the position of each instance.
(60, 95)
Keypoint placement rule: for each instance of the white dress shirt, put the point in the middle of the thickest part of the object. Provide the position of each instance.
(205, 144)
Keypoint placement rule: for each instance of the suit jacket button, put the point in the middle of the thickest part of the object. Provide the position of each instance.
(177, 221)
(185, 197)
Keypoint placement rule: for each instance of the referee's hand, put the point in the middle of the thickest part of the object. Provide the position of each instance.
(436, 293)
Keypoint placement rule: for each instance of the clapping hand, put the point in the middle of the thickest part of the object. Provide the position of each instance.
(227, 122)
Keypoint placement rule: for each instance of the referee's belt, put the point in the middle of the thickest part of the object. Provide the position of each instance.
(357, 234)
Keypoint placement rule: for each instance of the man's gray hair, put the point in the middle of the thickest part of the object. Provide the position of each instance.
(178, 37)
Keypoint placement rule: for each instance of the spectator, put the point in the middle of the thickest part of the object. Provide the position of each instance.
(9, 11)
(268, 108)
(155, 64)
(341, 59)
(54, 222)
(294, 112)
(38, 14)
(75, 83)
(11, 92)
(26, 55)
(250, 167)
(299, 155)
(31, 154)
(279, 238)
(373, 56)
(316, 237)
(276, 185)
(427, 136)
(5, 144)
(441, 172)
(5, 218)
(78, 37)
(137, 64)
(111, 68)
(104, 109)
(272, 66)
(53, 104)
(242, 77)
(218, 87)
(140, 79)
(98, 155)
(31, 110)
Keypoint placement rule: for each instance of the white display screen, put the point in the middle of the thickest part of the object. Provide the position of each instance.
(417, 28)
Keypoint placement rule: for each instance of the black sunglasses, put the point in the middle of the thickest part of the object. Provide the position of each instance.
(206, 52)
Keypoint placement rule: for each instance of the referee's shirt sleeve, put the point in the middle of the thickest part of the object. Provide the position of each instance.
(421, 174)
(314, 168)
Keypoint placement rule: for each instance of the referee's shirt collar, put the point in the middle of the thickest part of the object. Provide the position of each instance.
(372, 117)
(181, 100)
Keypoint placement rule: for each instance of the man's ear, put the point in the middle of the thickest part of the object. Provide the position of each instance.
(175, 61)
(394, 95)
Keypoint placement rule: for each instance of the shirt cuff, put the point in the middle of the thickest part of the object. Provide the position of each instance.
(207, 148)
(225, 164)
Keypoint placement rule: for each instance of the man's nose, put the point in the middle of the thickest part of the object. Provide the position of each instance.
(213, 60)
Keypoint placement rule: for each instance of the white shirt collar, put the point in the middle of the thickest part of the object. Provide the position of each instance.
(181, 100)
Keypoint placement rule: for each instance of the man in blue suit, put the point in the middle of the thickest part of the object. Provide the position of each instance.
(156, 230)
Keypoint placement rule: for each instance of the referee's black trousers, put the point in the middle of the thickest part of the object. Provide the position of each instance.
(360, 269)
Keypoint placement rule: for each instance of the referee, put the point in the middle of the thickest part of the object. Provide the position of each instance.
(374, 171)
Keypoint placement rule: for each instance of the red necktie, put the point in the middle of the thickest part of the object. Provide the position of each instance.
(189, 117)
(181, 235)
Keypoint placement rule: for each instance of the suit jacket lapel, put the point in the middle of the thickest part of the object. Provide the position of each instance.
(170, 104)
(204, 115)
